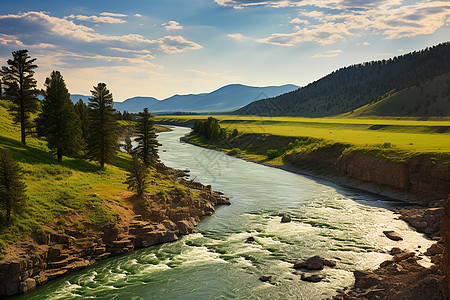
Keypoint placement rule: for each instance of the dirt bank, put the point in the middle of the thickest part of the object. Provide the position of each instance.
(140, 223)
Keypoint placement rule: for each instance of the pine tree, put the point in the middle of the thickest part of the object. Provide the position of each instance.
(12, 187)
(103, 126)
(20, 88)
(82, 111)
(1, 89)
(58, 122)
(128, 146)
(137, 178)
(147, 148)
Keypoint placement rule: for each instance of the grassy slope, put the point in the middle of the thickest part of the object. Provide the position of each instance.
(57, 188)
(405, 134)
(430, 98)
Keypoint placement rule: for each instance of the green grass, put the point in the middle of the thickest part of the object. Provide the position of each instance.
(404, 134)
(57, 188)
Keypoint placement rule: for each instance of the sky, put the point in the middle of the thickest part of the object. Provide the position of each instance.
(160, 48)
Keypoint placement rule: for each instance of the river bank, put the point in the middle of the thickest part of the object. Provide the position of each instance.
(140, 223)
(425, 218)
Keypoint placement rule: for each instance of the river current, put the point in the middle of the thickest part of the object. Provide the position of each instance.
(215, 262)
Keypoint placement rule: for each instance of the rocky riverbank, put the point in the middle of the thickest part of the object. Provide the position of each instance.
(140, 223)
(402, 277)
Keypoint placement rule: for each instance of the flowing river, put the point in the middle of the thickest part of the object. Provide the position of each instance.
(216, 263)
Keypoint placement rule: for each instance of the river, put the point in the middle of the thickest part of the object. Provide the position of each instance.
(216, 263)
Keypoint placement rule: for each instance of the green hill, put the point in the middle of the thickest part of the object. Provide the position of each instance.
(75, 193)
(355, 86)
(429, 99)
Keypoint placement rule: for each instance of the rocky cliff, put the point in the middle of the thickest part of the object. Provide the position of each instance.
(140, 223)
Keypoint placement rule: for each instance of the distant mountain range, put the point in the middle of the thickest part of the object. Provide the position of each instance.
(414, 84)
(226, 98)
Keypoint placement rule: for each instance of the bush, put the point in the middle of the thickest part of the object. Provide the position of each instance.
(234, 151)
(272, 153)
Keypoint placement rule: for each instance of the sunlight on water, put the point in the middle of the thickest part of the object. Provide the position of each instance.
(216, 262)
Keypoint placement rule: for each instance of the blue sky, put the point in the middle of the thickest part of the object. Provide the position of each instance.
(165, 47)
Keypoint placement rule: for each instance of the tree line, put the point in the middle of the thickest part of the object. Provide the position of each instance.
(72, 130)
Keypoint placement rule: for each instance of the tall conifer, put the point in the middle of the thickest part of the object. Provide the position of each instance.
(20, 88)
(103, 126)
(147, 148)
(58, 122)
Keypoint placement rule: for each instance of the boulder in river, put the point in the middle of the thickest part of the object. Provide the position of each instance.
(250, 239)
(265, 278)
(393, 235)
(314, 263)
(286, 219)
(312, 278)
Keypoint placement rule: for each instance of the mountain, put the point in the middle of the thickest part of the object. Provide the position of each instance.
(352, 87)
(135, 104)
(76, 97)
(226, 98)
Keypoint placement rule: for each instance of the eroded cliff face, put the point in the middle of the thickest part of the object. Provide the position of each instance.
(446, 242)
(418, 175)
(140, 224)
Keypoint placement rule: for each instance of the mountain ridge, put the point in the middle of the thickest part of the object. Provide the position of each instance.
(226, 98)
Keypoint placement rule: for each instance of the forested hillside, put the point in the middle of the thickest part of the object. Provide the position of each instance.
(354, 86)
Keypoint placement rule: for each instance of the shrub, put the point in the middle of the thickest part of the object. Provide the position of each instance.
(234, 151)
(272, 153)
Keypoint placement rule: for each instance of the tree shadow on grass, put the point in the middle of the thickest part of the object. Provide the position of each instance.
(33, 155)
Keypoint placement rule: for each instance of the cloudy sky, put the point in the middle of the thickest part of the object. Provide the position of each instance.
(164, 47)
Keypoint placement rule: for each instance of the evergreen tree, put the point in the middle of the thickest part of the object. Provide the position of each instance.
(58, 122)
(12, 187)
(147, 148)
(1, 89)
(103, 126)
(128, 146)
(137, 178)
(82, 111)
(20, 88)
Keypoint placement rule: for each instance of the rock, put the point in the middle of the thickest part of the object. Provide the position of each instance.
(265, 278)
(223, 201)
(300, 264)
(286, 219)
(312, 278)
(185, 227)
(365, 280)
(12, 288)
(329, 263)
(386, 263)
(434, 250)
(27, 285)
(314, 263)
(395, 250)
(403, 256)
(392, 235)
(250, 239)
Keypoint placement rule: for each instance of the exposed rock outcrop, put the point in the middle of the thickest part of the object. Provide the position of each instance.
(50, 255)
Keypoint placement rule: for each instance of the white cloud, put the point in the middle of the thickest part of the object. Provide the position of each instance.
(366, 44)
(172, 25)
(327, 54)
(330, 20)
(112, 14)
(176, 44)
(237, 36)
(96, 19)
(298, 21)
(138, 15)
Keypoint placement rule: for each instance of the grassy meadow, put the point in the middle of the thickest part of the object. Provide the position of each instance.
(412, 135)
(56, 189)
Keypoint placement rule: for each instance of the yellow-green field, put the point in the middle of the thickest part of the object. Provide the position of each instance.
(408, 134)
